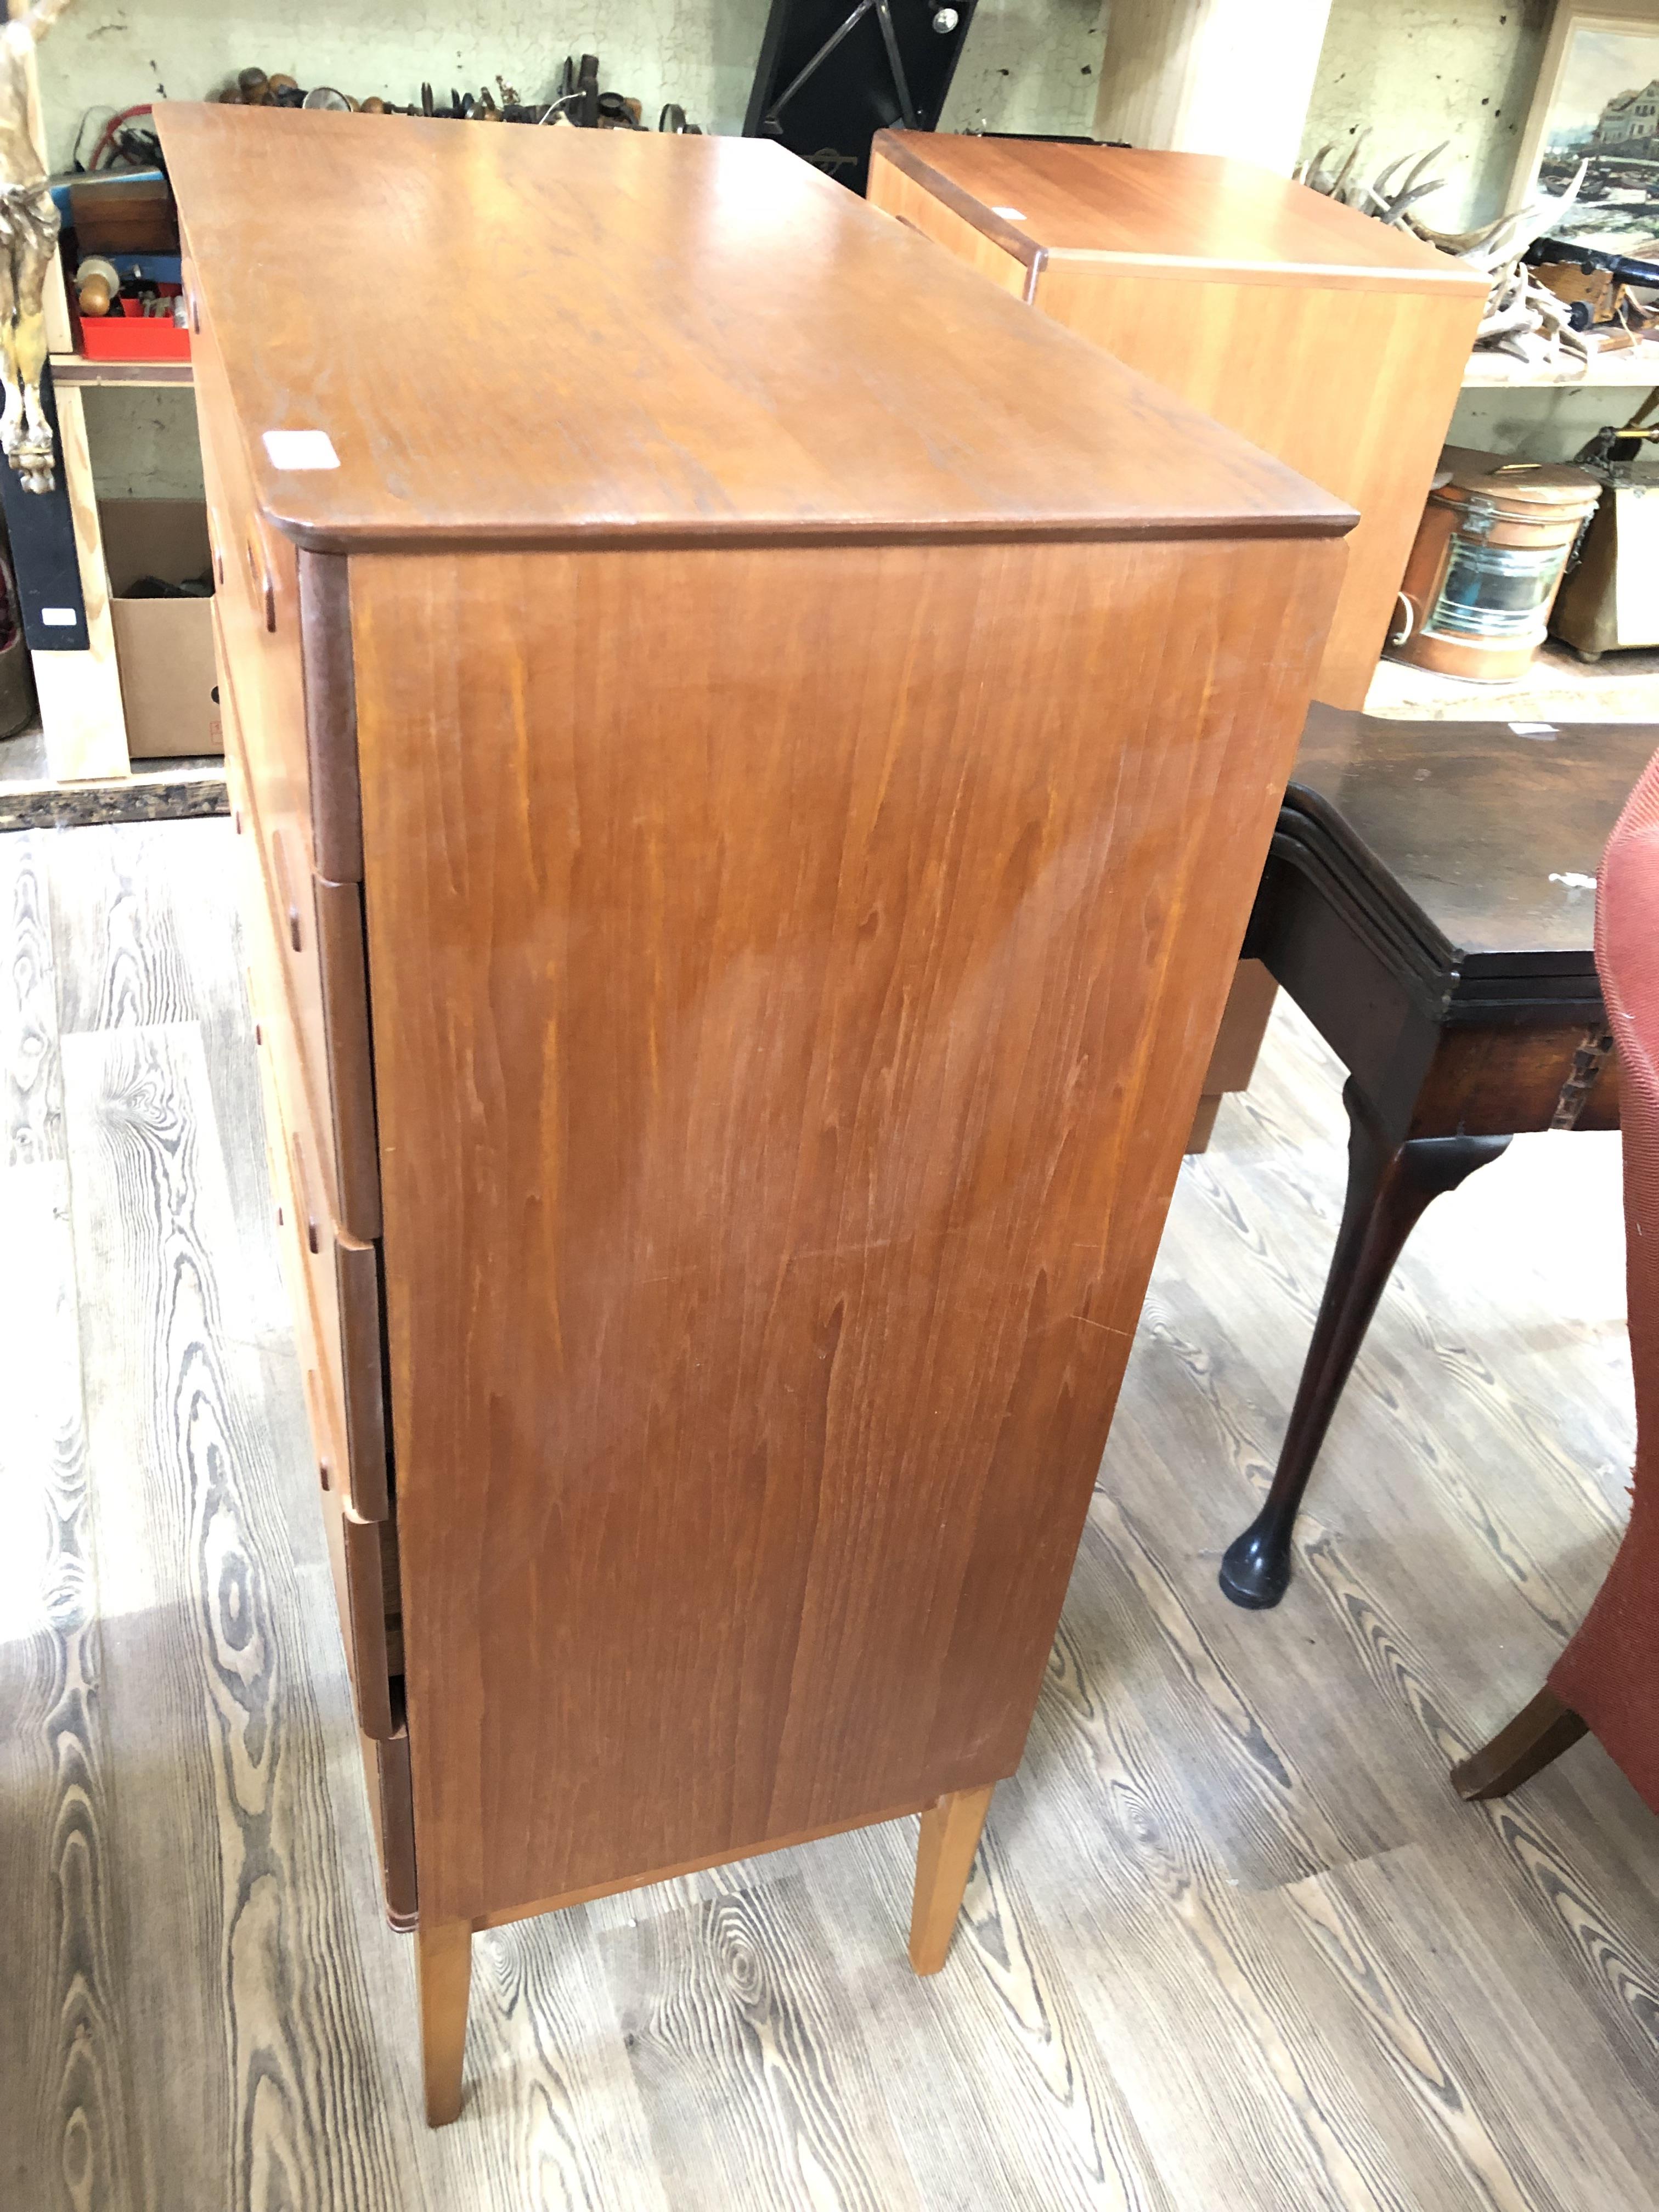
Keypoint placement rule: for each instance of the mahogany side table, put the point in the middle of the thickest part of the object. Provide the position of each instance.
(1426, 903)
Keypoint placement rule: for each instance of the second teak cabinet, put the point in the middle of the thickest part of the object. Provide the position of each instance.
(1334, 342)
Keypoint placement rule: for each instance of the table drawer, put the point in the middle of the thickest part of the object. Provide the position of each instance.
(317, 929)
(341, 1274)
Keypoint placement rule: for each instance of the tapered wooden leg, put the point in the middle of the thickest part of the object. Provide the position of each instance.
(1539, 1733)
(945, 1859)
(443, 1967)
(1389, 1188)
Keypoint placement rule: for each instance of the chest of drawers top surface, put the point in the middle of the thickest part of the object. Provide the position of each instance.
(1145, 207)
(513, 336)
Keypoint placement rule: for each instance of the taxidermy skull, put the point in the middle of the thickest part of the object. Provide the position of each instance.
(28, 234)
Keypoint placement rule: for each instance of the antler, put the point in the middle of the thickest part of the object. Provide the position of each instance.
(39, 19)
(1517, 308)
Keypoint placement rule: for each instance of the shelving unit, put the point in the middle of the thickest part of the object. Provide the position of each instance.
(1499, 371)
(82, 714)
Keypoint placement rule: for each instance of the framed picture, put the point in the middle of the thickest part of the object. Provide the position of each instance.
(1598, 101)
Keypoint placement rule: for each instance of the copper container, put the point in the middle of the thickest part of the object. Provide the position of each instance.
(1488, 562)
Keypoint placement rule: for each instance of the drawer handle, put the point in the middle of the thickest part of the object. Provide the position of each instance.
(312, 1403)
(258, 569)
(302, 1195)
(195, 312)
(284, 891)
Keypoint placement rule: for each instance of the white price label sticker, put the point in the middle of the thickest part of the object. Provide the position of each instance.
(300, 449)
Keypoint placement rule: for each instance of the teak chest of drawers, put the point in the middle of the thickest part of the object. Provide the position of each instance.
(1324, 337)
(755, 753)
(1333, 342)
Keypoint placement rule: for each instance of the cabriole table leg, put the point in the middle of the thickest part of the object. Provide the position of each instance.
(1389, 1188)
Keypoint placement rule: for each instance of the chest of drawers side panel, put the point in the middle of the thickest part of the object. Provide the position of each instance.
(793, 972)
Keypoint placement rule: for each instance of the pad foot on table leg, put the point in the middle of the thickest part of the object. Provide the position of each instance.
(1255, 1567)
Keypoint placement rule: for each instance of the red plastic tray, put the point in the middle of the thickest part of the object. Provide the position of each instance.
(131, 338)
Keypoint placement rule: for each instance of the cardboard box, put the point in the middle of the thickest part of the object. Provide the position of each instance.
(164, 647)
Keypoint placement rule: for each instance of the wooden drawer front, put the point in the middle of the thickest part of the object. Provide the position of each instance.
(392, 1809)
(257, 600)
(317, 929)
(341, 1274)
(288, 613)
(357, 1549)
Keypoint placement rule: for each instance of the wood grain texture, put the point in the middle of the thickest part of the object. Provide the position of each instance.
(207, 1743)
(814, 1178)
(1005, 2033)
(1187, 1974)
(746, 2068)
(1327, 340)
(30, 1080)
(225, 1753)
(553, 2109)
(1375, 1929)
(1146, 1883)
(729, 412)
(64, 2038)
(129, 954)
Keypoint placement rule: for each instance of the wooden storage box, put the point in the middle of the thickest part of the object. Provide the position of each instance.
(163, 648)
(783, 741)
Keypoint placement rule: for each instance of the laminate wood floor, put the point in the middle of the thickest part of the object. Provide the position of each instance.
(1231, 1941)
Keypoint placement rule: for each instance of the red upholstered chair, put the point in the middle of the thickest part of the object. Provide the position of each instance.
(1607, 1681)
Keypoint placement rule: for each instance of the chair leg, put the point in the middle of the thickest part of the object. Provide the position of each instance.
(1389, 1188)
(945, 1859)
(1539, 1733)
(443, 1968)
